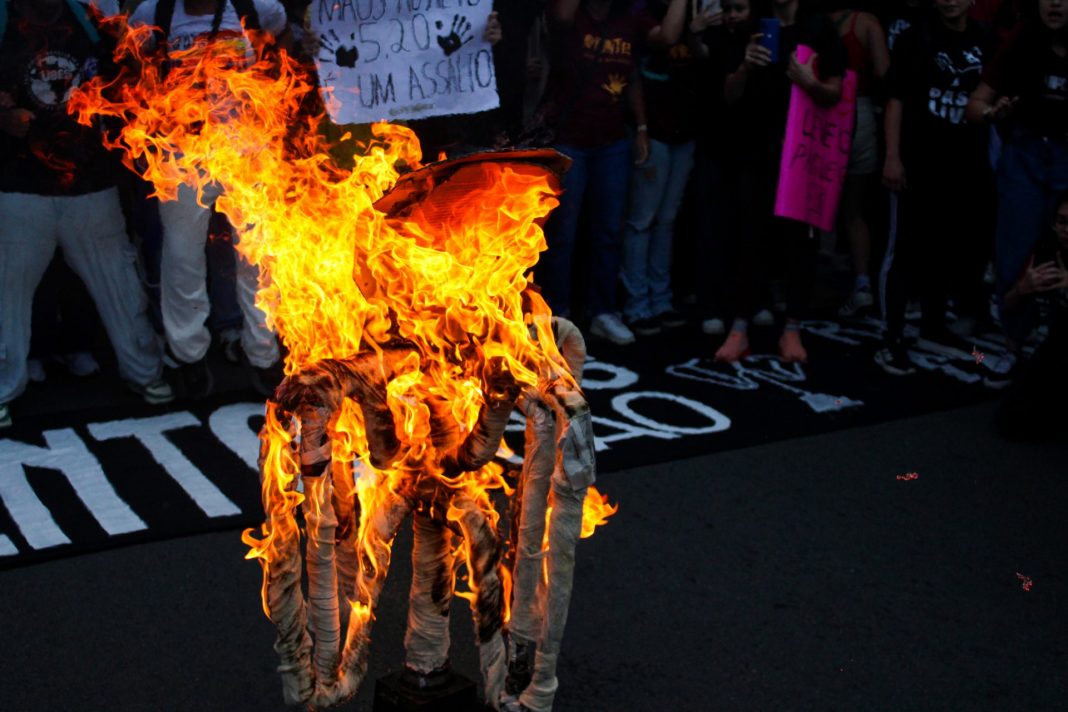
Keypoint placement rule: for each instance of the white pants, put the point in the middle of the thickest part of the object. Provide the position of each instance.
(183, 285)
(91, 230)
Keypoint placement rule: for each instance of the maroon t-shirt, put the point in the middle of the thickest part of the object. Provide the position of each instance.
(593, 63)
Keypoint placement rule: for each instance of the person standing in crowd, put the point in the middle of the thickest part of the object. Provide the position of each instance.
(670, 84)
(1042, 386)
(1025, 91)
(899, 15)
(869, 57)
(593, 79)
(183, 278)
(762, 89)
(57, 187)
(937, 163)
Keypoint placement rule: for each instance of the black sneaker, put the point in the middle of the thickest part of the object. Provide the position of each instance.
(894, 359)
(193, 381)
(644, 327)
(671, 319)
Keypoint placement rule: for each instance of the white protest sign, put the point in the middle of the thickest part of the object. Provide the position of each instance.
(403, 59)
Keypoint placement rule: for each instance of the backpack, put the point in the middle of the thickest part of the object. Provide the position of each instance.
(246, 10)
(79, 13)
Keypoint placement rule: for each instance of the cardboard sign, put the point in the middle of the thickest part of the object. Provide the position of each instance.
(816, 154)
(403, 59)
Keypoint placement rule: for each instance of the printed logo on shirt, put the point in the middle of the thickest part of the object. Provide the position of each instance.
(230, 42)
(607, 46)
(948, 100)
(895, 30)
(51, 77)
(615, 85)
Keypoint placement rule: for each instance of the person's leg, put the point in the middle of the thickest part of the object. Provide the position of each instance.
(554, 267)
(28, 228)
(1020, 220)
(798, 245)
(609, 172)
(222, 276)
(258, 341)
(972, 241)
(713, 227)
(680, 164)
(93, 236)
(647, 187)
(183, 276)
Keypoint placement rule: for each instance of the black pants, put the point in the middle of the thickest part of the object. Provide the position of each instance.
(769, 247)
(943, 240)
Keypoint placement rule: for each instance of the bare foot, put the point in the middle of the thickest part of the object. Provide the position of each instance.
(734, 348)
(791, 350)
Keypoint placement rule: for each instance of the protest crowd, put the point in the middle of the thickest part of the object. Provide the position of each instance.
(948, 191)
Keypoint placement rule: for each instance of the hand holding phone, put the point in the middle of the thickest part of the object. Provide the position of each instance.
(769, 29)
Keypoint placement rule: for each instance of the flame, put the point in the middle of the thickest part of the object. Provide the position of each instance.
(337, 276)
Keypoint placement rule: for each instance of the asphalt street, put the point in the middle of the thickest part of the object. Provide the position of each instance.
(804, 574)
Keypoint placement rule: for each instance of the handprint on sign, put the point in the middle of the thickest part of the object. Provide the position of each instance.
(337, 51)
(459, 34)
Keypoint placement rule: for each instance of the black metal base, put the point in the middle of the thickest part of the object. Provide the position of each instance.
(459, 694)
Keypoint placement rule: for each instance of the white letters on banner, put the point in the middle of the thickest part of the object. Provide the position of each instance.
(403, 59)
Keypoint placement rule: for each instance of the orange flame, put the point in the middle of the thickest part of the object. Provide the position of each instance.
(336, 276)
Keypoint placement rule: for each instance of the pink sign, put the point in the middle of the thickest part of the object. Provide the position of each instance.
(816, 154)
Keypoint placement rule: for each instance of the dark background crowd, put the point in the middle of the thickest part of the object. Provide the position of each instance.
(673, 113)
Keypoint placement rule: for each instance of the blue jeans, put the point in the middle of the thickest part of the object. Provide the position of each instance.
(603, 172)
(656, 191)
(1031, 173)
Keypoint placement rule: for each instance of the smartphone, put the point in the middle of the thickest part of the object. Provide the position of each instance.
(769, 27)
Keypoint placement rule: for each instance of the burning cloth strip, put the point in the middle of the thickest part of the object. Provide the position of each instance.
(561, 448)
(412, 331)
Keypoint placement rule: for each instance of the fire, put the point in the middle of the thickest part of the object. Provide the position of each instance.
(339, 277)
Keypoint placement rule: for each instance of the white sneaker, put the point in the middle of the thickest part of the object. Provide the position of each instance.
(713, 327)
(763, 318)
(858, 301)
(158, 392)
(610, 326)
(36, 370)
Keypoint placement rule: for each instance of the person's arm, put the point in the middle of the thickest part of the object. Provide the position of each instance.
(669, 30)
(756, 55)
(1035, 279)
(14, 121)
(877, 47)
(893, 168)
(825, 92)
(636, 100)
(698, 25)
(984, 105)
(493, 32)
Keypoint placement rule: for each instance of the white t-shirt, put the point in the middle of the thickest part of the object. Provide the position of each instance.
(186, 28)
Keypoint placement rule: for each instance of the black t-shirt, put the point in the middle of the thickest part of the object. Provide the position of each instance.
(722, 126)
(1030, 69)
(39, 68)
(933, 71)
(767, 91)
(671, 84)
